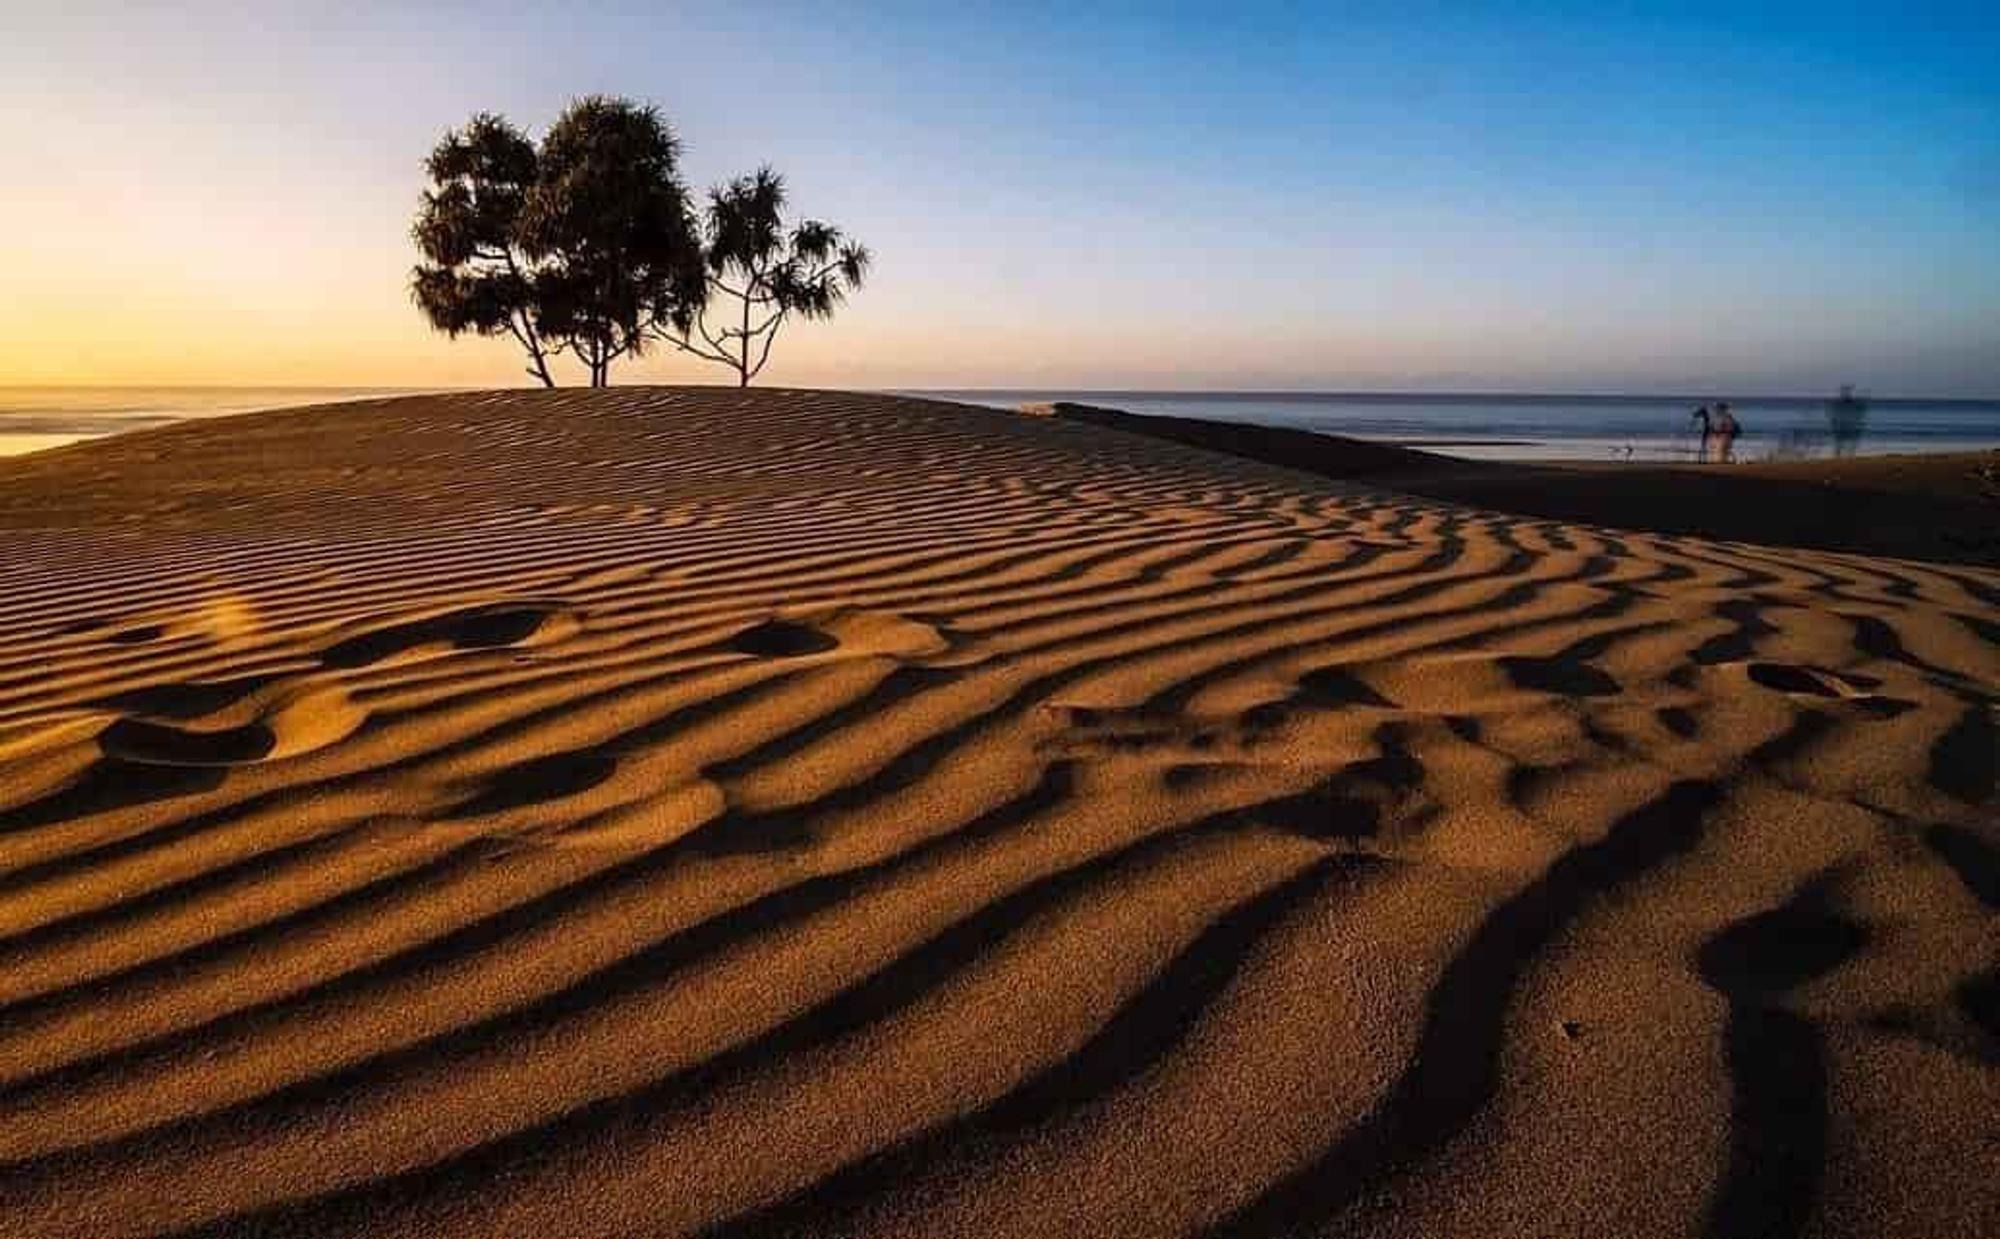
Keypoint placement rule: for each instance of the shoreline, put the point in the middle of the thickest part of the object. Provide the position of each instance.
(1943, 507)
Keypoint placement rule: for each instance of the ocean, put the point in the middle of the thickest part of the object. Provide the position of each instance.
(1560, 427)
(35, 418)
(1509, 427)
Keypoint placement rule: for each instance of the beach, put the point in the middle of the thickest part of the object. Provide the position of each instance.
(1937, 506)
(1557, 426)
(700, 811)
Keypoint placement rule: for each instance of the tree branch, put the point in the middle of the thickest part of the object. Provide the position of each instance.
(769, 340)
(686, 347)
(702, 323)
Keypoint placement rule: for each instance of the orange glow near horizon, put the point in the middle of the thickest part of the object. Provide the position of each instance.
(1290, 216)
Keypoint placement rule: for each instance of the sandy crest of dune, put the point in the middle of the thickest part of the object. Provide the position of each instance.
(665, 811)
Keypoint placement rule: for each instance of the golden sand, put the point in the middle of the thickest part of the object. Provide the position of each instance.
(660, 811)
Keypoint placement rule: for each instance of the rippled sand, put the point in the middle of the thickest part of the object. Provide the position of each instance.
(660, 811)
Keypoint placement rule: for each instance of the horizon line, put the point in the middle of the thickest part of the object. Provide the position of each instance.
(1225, 393)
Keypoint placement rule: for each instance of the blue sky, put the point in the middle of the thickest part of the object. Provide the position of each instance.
(1774, 199)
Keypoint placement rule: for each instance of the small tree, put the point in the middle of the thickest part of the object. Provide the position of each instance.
(584, 246)
(476, 277)
(759, 275)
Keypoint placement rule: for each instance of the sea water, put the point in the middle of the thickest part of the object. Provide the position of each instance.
(36, 418)
(1558, 427)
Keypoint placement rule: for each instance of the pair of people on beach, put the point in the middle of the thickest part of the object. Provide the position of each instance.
(1719, 429)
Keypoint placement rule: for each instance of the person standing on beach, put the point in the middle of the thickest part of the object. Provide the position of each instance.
(1725, 429)
(1847, 416)
(1700, 417)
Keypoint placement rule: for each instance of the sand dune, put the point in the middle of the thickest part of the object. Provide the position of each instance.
(1942, 507)
(689, 811)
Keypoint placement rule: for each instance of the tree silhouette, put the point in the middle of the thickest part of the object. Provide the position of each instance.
(608, 223)
(584, 246)
(478, 278)
(759, 275)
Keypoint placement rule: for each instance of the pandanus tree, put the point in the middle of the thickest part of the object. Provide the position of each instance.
(585, 246)
(477, 276)
(761, 274)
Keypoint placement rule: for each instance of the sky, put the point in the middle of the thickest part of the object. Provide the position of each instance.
(1766, 198)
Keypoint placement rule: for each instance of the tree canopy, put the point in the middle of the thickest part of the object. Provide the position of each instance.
(760, 274)
(589, 245)
(477, 276)
(608, 222)
(580, 246)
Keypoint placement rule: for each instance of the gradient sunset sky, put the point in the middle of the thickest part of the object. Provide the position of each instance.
(1753, 197)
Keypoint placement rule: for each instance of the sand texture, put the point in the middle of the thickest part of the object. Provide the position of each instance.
(667, 811)
(1943, 507)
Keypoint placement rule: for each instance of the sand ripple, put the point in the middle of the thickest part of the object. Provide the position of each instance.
(692, 811)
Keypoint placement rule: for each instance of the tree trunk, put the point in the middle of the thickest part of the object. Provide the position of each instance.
(538, 357)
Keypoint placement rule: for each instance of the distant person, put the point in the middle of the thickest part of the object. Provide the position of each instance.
(1698, 421)
(1719, 428)
(1722, 431)
(1847, 418)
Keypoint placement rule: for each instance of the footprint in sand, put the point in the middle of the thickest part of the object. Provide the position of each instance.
(1803, 681)
(856, 632)
(228, 723)
(778, 638)
(1806, 681)
(539, 780)
(1680, 722)
(161, 744)
(1562, 676)
(1336, 687)
(186, 699)
(490, 626)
